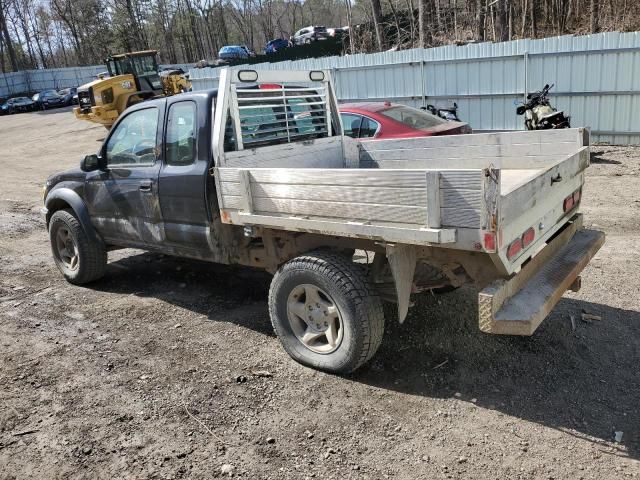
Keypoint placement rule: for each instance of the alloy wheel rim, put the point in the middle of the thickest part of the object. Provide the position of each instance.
(315, 319)
(66, 248)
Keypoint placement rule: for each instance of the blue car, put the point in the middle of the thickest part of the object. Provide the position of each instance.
(233, 52)
(275, 45)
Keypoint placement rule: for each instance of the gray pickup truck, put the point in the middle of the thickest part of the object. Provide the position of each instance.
(259, 173)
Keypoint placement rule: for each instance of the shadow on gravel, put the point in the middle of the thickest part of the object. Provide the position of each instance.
(596, 157)
(583, 381)
(221, 292)
(50, 111)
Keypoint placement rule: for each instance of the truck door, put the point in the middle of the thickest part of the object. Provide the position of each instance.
(123, 199)
(183, 177)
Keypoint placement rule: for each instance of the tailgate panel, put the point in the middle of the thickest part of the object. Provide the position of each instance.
(540, 190)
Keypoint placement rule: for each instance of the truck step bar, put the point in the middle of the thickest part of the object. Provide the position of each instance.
(517, 306)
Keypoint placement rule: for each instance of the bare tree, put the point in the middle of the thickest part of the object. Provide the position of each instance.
(376, 9)
(593, 23)
(480, 19)
(422, 24)
(7, 38)
(502, 7)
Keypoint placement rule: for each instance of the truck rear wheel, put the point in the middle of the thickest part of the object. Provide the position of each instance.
(325, 312)
(79, 258)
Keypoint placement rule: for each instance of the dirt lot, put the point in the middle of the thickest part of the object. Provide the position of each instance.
(169, 368)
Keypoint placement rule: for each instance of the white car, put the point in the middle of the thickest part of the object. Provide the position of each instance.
(310, 34)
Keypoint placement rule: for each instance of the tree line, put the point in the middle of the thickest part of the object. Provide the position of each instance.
(64, 33)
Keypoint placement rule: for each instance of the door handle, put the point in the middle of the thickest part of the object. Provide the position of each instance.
(145, 186)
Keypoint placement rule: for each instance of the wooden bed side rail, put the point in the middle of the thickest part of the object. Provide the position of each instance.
(579, 137)
(420, 198)
(512, 150)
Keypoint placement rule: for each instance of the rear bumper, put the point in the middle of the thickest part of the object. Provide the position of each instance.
(517, 306)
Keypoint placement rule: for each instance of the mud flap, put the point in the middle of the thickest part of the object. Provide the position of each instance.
(402, 260)
(519, 305)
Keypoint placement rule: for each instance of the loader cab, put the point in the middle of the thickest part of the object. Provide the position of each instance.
(142, 65)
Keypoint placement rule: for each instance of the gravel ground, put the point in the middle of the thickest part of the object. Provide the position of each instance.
(168, 368)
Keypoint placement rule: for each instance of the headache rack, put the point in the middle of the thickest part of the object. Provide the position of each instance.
(270, 111)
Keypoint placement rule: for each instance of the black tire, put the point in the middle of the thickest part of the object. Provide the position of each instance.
(358, 303)
(91, 256)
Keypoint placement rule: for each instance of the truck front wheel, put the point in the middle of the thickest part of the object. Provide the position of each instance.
(79, 258)
(325, 312)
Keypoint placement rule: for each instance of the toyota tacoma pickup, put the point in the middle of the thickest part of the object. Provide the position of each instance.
(259, 173)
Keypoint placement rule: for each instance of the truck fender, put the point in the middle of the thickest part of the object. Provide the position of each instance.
(60, 198)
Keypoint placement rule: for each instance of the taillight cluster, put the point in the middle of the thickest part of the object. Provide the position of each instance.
(521, 243)
(572, 200)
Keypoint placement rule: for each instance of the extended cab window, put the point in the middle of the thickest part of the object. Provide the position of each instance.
(181, 135)
(308, 118)
(263, 124)
(133, 143)
(268, 118)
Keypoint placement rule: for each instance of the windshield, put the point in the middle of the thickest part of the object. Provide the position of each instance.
(139, 66)
(145, 65)
(412, 117)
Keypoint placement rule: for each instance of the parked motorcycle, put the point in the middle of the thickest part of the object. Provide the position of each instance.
(448, 113)
(539, 114)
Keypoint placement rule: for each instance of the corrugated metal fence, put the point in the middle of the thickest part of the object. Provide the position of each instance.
(35, 80)
(28, 81)
(596, 77)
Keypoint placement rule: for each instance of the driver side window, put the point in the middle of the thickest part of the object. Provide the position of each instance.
(133, 143)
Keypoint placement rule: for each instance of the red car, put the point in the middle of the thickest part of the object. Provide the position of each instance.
(391, 120)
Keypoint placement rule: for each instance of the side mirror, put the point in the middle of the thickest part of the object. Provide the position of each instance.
(521, 109)
(90, 163)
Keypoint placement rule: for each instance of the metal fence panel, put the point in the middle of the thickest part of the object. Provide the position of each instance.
(597, 80)
(55, 78)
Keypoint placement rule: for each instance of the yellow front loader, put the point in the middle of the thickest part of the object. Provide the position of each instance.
(133, 77)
